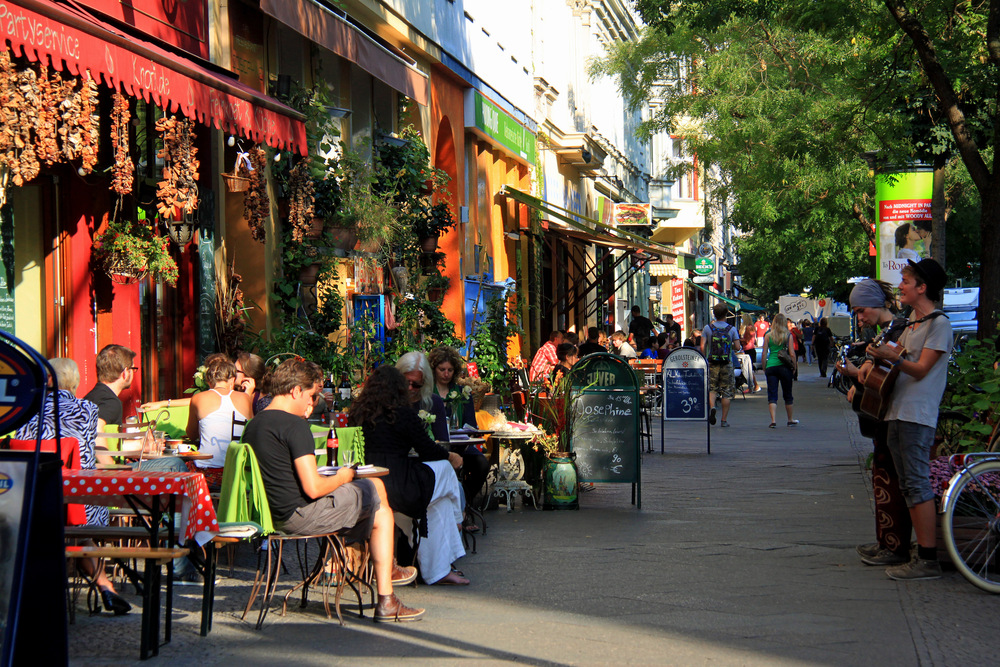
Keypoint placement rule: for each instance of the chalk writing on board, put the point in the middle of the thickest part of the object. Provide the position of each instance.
(684, 390)
(604, 436)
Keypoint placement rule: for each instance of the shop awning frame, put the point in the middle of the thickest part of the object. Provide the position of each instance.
(736, 304)
(77, 43)
(587, 229)
(322, 26)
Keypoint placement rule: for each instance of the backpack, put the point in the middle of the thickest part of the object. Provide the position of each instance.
(720, 348)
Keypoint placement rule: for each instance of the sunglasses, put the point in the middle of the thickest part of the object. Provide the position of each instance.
(414, 385)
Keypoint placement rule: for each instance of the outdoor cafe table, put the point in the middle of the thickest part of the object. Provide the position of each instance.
(158, 493)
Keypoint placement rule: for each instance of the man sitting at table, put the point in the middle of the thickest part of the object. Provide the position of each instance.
(303, 502)
(115, 373)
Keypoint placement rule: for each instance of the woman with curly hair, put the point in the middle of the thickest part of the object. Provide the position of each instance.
(447, 367)
(424, 488)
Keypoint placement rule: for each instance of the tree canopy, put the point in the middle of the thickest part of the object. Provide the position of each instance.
(784, 103)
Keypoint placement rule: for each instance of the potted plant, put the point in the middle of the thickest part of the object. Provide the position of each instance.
(128, 250)
(431, 223)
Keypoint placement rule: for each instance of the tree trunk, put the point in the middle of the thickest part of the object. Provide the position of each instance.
(938, 217)
(989, 267)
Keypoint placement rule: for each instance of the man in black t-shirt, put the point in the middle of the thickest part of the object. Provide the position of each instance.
(115, 373)
(669, 325)
(592, 345)
(303, 502)
(640, 328)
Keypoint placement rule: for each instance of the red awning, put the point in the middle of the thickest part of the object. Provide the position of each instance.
(320, 25)
(77, 43)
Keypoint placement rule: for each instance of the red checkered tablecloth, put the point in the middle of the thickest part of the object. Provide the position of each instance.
(109, 487)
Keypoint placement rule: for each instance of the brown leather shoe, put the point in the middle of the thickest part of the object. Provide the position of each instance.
(390, 608)
(401, 576)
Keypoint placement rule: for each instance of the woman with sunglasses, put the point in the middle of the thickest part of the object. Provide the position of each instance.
(424, 487)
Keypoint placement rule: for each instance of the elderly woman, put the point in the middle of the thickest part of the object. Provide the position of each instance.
(424, 488)
(77, 419)
(213, 417)
(419, 377)
(447, 367)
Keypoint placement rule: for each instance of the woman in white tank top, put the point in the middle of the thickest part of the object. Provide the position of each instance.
(211, 417)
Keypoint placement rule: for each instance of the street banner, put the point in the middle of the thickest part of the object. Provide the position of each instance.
(903, 201)
(798, 308)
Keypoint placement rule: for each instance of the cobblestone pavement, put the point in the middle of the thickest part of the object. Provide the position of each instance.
(742, 557)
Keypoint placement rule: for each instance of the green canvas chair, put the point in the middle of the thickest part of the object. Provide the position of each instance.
(350, 439)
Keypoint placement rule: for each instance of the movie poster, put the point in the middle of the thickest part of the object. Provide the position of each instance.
(904, 221)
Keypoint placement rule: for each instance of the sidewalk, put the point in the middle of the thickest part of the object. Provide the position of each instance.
(742, 557)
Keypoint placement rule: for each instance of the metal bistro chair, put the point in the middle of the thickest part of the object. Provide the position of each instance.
(646, 369)
(266, 578)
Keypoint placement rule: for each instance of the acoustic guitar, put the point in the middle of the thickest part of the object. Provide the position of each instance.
(878, 388)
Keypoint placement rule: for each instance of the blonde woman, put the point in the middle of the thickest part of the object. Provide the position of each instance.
(776, 371)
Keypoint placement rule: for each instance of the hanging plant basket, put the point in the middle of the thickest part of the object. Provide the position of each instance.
(235, 182)
(123, 272)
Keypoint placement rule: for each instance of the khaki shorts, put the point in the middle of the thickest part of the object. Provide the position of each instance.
(351, 506)
(721, 380)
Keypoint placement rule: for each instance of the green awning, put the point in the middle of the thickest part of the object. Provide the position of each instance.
(588, 229)
(735, 304)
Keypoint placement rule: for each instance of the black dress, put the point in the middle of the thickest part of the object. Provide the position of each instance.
(409, 484)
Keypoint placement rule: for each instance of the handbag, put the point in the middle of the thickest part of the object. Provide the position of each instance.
(785, 358)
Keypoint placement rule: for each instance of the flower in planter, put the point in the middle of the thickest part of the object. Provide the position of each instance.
(130, 248)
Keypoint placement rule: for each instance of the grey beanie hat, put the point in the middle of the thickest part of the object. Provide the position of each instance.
(867, 294)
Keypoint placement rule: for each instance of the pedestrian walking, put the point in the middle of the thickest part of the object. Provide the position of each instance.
(778, 371)
(807, 339)
(822, 339)
(719, 341)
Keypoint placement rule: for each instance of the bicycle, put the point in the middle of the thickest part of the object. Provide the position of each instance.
(970, 521)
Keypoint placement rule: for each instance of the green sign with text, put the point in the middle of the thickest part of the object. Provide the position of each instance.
(704, 266)
(491, 122)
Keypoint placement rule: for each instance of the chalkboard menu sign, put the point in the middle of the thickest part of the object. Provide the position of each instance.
(685, 390)
(685, 386)
(604, 422)
(7, 269)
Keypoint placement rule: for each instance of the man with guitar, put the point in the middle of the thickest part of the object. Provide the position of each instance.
(873, 303)
(921, 357)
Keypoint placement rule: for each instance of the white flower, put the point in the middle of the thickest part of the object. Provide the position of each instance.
(466, 391)
(426, 417)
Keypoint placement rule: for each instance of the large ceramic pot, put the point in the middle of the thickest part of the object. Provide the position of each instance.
(429, 244)
(560, 482)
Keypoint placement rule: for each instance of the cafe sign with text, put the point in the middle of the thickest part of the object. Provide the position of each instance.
(488, 121)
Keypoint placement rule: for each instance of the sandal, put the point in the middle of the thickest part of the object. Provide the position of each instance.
(772, 425)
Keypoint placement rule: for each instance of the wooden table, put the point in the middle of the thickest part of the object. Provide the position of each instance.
(158, 493)
(137, 454)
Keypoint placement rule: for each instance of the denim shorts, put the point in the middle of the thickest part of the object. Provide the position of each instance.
(910, 446)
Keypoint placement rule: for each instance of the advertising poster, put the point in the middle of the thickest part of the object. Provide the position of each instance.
(904, 221)
(798, 308)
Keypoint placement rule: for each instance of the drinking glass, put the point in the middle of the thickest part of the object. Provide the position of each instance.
(347, 457)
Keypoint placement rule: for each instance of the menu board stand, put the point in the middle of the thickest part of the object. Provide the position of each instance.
(685, 390)
(32, 515)
(604, 422)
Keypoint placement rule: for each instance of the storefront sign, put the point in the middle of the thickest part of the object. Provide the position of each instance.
(21, 383)
(904, 221)
(171, 83)
(704, 266)
(489, 121)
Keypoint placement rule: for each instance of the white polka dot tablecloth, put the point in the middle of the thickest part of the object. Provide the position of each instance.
(109, 487)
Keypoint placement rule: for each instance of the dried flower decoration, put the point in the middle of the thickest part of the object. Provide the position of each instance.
(50, 95)
(178, 191)
(79, 124)
(302, 200)
(256, 203)
(123, 169)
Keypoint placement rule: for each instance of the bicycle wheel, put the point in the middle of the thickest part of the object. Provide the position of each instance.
(971, 524)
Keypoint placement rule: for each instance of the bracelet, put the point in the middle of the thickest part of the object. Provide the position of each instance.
(168, 402)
